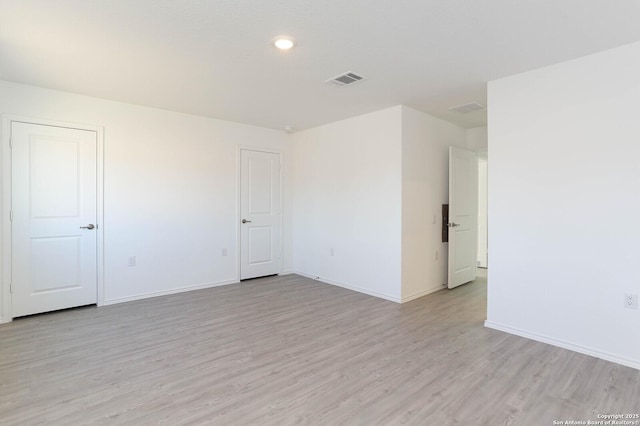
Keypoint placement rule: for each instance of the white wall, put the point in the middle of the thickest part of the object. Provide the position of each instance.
(369, 188)
(170, 191)
(425, 187)
(347, 197)
(564, 204)
(477, 140)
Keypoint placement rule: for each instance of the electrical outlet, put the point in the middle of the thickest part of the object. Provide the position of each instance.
(224, 251)
(631, 301)
(132, 261)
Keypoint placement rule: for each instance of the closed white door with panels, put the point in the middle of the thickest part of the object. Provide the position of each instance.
(54, 218)
(260, 250)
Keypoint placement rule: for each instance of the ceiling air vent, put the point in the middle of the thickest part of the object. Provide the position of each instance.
(467, 108)
(346, 79)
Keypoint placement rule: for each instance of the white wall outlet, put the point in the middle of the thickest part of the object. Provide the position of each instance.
(224, 251)
(331, 252)
(631, 301)
(132, 261)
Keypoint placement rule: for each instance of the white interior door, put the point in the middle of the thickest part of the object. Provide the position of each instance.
(482, 214)
(54, 207)
(260, 214)
(463, 216)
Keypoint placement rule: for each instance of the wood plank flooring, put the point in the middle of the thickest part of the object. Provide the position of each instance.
(290, 350)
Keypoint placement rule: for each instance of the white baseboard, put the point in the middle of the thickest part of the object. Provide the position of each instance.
(167, 292)
(565, 345)
(421, 293)
(350, 287)
(4, 320)
(289, 272)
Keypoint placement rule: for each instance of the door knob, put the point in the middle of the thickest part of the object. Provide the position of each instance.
(246, 221)
(89, 226)
(452, 225)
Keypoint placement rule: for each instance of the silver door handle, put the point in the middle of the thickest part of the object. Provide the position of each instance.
(89, 226)
(246, 221)
(452, 225)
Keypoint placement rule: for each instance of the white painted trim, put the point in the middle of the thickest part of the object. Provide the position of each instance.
(564, 344)
(260, 149)
(168, 292)
(280, 153)
(288, 272)
(350, 287)
(421, 293)
(100, 213)
(5, 235)
(7, 119)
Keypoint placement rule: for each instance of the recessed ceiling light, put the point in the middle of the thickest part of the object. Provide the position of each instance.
(284, 42)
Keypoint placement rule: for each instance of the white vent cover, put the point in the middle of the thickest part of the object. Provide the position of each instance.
(346, 79)
(467, 108)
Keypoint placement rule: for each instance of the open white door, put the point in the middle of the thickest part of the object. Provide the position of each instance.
(54, 209)
(463, 216)
(260, 214)
(483, 257)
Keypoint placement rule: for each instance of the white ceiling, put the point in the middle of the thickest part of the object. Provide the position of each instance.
(214, 57)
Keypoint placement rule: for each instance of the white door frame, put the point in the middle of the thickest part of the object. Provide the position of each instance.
(5, 310)
(239, 206)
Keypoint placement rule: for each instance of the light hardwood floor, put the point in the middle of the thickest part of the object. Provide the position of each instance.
(290, 350)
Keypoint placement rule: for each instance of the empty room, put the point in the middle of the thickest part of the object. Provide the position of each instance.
(290, 212)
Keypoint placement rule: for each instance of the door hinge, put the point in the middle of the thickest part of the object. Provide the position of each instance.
(11, 288)
(10, 215)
